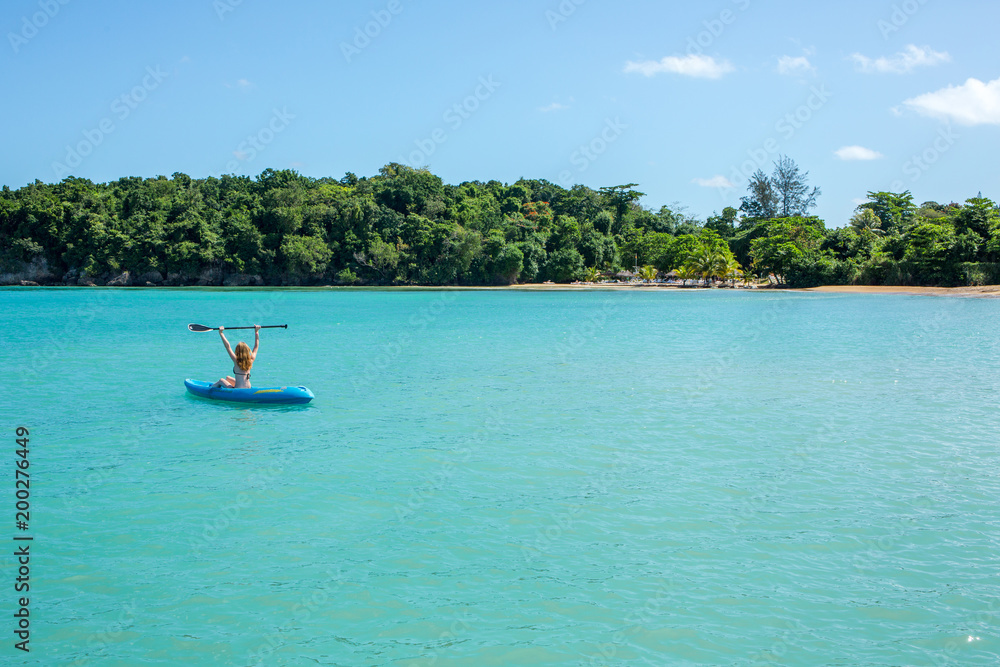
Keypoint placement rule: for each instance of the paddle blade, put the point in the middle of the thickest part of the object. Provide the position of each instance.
(199, 328)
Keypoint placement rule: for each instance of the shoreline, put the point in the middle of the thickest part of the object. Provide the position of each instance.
(980, 292)
(973, 292)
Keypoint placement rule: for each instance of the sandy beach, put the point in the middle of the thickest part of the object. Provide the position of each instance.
(983, 291)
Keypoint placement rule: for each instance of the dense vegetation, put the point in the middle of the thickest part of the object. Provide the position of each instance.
(405, 226)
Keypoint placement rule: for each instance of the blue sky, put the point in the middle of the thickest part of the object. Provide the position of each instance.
(685, 99)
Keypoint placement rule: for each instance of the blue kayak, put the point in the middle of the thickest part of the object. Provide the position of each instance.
(273, 395)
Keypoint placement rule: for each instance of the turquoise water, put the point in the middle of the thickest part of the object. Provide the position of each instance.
(509, 478)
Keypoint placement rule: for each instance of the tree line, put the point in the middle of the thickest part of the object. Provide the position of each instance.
(405, 226)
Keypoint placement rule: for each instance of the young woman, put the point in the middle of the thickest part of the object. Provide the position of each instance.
(243, 360)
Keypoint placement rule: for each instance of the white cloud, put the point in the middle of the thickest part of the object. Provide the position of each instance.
(242, 84)
(972, 103)
(698, 66)
(795, 66)
(555, 106)
(857, 153)
(902, 63)
(714, 182)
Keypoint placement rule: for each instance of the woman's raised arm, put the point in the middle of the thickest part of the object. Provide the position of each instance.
(226, 343)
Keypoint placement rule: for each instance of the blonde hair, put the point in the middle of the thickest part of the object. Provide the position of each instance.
(243, 358)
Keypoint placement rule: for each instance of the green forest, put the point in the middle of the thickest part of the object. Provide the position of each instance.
(405, 226)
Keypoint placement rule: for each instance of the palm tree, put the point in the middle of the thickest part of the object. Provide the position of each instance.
(686, 273)
(733, 270)
(592, 274)
(648, 272)
(708, 262)
(749, 275)
(866, 219)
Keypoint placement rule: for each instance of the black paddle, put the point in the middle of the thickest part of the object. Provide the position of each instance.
(201, 327)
